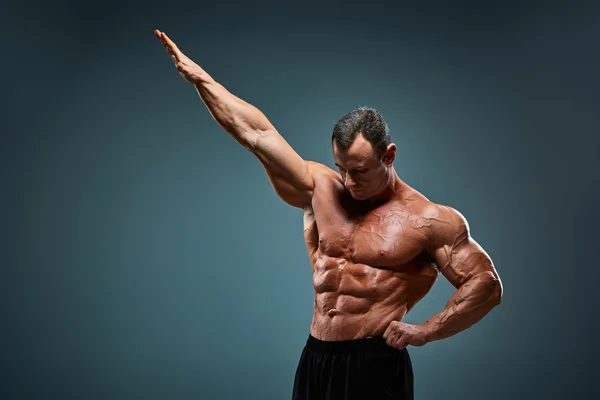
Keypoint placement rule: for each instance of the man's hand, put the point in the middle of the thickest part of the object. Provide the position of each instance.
(399, 335)
(190, 71)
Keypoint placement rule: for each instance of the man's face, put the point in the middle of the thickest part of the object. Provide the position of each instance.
(363, 172)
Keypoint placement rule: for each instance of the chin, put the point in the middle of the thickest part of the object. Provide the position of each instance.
(359, 195)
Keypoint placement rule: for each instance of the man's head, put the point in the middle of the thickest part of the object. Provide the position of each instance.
(363, 153)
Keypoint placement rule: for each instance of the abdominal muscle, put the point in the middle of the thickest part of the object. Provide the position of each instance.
(354, 301)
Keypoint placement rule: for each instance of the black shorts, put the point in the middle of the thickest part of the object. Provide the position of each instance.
(360, 369)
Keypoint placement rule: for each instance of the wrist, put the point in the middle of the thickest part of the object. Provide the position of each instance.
(430, 332)
(202, 79)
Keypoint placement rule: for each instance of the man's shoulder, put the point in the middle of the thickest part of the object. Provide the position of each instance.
(319, 167)
(445, 223)
(322, 172)
(421, 206)
(445, 214)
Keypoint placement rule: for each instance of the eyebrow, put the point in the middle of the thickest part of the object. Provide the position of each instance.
(361, 167)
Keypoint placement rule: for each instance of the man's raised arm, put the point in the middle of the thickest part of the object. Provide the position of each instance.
(290, 175)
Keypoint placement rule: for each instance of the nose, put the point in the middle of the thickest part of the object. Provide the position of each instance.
(348, 182)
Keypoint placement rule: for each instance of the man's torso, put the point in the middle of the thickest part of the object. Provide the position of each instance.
(370, 266)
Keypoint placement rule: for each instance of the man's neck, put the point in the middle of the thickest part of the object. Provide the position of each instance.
(390, 191)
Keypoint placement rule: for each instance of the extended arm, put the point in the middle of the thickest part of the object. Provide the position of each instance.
(469, 268)
(290, 175)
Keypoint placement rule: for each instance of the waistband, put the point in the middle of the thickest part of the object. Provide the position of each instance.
(347, 346)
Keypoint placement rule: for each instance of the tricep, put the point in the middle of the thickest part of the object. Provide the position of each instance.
(291, 176)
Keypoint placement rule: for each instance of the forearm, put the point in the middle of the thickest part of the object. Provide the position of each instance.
(472, 301)
(243, 121)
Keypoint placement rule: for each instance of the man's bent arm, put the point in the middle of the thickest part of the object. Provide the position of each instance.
(469, 268)
(473, 300)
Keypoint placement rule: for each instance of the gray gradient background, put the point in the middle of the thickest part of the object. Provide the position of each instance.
(145, 255)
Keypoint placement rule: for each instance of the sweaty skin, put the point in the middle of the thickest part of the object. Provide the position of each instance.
(369, 265)
(376, 245)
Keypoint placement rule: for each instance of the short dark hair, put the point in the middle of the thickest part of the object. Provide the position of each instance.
(366, 121)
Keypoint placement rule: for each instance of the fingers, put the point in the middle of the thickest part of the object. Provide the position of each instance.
(159, 35)
(172, 45)
(396, 337)
(169, 45)
(399, 340)
(387, 332)
(393, 335)
(402, 342)
(391, 339)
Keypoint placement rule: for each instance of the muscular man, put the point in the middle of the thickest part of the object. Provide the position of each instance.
(376, 247)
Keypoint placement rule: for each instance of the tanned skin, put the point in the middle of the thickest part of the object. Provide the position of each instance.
(376, 245)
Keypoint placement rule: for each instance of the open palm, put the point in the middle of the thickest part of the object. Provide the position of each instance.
(190, 71)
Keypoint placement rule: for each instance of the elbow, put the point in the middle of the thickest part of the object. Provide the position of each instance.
(497, 298)
(257, 140)
(495, 290)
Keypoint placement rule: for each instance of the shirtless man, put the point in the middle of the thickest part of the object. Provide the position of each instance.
(376, 247)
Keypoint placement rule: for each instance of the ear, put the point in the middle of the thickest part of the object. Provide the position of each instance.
(390, 155)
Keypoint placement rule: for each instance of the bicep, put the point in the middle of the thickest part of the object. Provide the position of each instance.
(462, 262)
(458, 256)
(289, 174)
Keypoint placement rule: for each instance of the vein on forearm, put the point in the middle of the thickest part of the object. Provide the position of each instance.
(469, 304)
